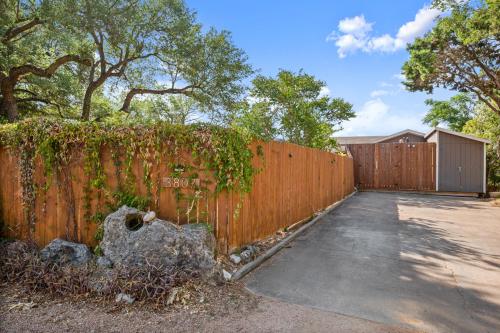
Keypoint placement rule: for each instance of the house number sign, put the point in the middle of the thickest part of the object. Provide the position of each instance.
(180, 182)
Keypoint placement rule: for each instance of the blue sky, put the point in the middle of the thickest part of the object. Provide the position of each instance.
(356, 47)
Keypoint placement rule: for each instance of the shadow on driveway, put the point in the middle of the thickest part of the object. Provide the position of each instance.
(426, 262)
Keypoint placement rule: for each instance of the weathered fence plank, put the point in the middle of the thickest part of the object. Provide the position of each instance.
(293, 184)
(395, 166)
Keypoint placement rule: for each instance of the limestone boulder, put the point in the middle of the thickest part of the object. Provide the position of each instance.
(66, 253)
(129, 241)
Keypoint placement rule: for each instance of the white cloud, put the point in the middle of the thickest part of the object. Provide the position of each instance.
(252, 99)
(399, 77)
(389, 88)
(378, 93)
(420, 25)
(348, 44)
(376, 118)
(354, 34)
(356, 26)
(324, 92)
(386, 84)
(383, 43)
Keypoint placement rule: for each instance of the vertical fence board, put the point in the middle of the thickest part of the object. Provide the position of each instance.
(294, 183)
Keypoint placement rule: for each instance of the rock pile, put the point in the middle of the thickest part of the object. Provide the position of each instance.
(131, 241)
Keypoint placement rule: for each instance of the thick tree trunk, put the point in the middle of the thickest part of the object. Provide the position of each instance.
(127, 101)
(87, 101)
(8, 107)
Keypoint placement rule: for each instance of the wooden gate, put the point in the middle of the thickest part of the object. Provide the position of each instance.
(395, 166)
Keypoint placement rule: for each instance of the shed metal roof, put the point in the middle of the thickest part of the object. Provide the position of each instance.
(395, 135)
(352, 140)
(467, 136)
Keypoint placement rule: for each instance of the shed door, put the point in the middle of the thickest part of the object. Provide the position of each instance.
(461, 167)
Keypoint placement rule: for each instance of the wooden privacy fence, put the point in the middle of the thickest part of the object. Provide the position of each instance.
(293, 184)
(395, 166)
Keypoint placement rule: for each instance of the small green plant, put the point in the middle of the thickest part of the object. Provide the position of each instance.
(208, 226)
(130, 200)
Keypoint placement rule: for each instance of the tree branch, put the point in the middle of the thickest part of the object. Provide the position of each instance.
(17, 72)
(15, 31)
(470, 86)
(26, 91)
(140, 91)
(100, 48)
(41, 100)
(486, 70)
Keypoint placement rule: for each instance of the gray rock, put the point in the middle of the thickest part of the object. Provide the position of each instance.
(246, 256)
(66, 253)
(248, 253)
(235, 259)
(226, 274)
(104, 262)
(128, 241)
(251, 248)
(172, 296)
(125, 298)
(149, 216)
(17, 247)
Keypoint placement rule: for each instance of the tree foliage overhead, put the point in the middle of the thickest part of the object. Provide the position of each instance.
(462, 52)
(292, 107)
(128, 48)
(172, 109)
(34, 49)
(149, 60)
(455, 113)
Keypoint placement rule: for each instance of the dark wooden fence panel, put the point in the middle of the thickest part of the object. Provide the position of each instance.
(295, 182)
(395, 166)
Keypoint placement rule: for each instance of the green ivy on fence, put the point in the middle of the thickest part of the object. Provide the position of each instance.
(223, 153)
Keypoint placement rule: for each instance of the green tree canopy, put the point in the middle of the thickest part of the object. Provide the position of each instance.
(125, 48)
(454, 113)
(292, 107)
(257, 120)
(157, 47)
(486, 124)
(174, 109)
(460, 53)
(33, 49)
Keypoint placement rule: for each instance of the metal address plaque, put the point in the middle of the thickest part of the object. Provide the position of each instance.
(180, 182)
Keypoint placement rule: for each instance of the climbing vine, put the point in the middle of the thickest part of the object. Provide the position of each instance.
(222, 154)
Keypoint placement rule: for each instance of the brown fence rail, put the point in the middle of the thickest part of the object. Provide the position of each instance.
(294, 183)
(395, 166)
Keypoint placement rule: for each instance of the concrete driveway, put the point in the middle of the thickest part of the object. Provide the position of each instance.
(420, 261)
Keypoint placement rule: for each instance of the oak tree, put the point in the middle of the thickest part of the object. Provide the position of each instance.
(32, 49)
(462, 52)
(156, 47)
